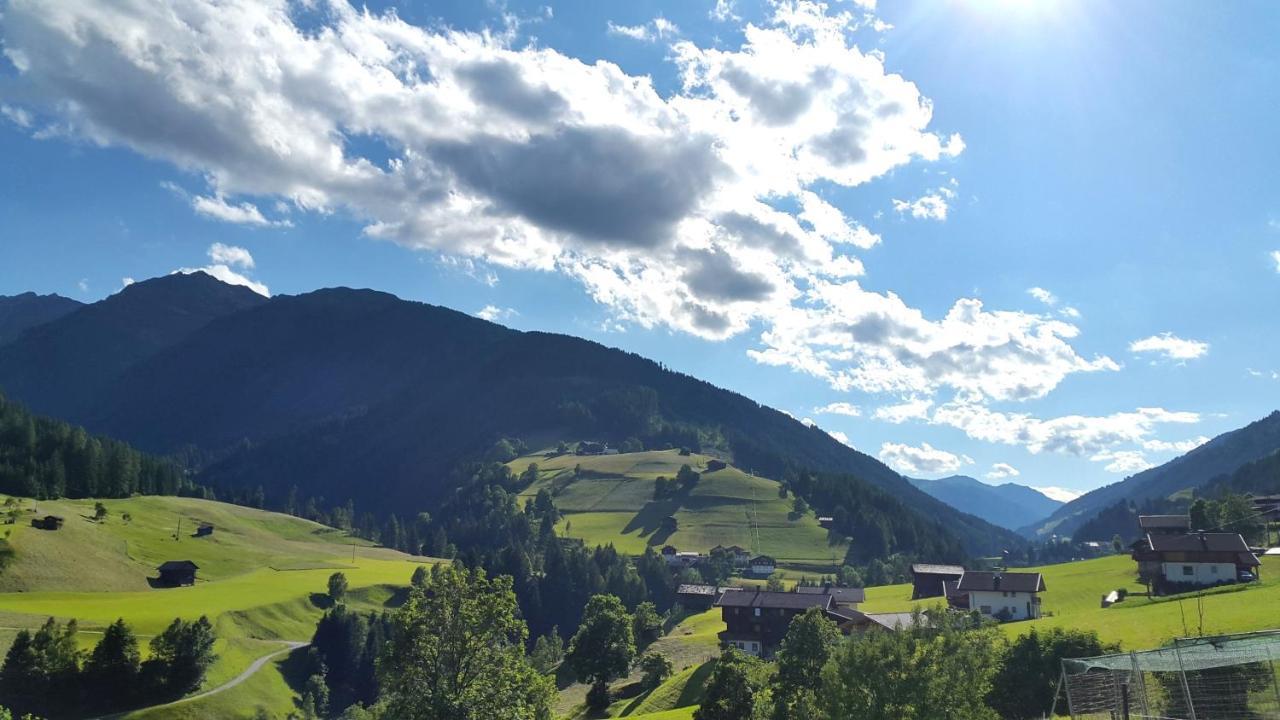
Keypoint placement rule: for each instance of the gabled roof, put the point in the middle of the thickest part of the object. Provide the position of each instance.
(696, 590)
(766, 599)
(1164, 522)
(928, 569)
(1198, 542)
(763, 560)
(841, 594)
(177, 565)
(974, 581)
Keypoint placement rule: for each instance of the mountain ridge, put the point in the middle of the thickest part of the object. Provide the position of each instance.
(1008, 505)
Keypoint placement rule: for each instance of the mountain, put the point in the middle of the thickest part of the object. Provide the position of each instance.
(1009, 505)
(19, 312)
(58, 367)
(1218, 457)
(358, 394)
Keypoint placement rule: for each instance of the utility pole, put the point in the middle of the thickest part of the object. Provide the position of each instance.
(177, 534)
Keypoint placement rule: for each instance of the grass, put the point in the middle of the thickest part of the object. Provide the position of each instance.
(262, 579)
(611, 502)
(1074, 592)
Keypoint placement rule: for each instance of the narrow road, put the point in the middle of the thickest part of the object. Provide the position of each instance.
(290, 646)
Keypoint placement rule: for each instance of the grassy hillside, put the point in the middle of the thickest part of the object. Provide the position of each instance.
(262, 576)
(611, 501)
(1074, 592)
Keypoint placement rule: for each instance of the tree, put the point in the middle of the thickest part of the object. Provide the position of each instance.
(940, 668)
(810, 640)
(337, 587)
(848, 576)
(315, 697)
(1203, 515)
(774, 584)
(604, 645)
(687, 477)
(181, 655)
(730, 692)
(800, 506)
(656, 668)
(419, 577)
(1117, 544)
(548, 651)
(646, 625)
(457, 653)
(23, 684)
(99, 512)
(1025, 683)
(111, 672)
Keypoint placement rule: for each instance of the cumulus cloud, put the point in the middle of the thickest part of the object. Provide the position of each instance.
(1060, 494)
(839, 408)
(1124, 462)
(1051, 300)
(915, 409)
(1000, 471)
(222, 258)
(245, 213)
(843, 438)
(1170, 346)
(925, 459)
(126, 282)
(1275, 257)
(493, 313)
(931, 206)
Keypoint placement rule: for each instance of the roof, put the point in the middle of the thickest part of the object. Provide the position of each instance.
(894, 621)
(841, 594)
(927, 569)
(763, 560)
(766, 599)
(178, 565)
(1164, 522)
(696, 590)
(974, 581)
(1198, 542)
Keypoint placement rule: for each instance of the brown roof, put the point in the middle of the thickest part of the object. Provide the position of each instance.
(927, 569)
(841, 594)
(765, 599)
(1164, 522)
(1000, 582)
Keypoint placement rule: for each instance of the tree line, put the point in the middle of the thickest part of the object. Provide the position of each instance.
(46, 674)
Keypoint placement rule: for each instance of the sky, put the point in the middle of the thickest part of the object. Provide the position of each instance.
(1030, 241)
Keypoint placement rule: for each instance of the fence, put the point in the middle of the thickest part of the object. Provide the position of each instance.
(1229, 677)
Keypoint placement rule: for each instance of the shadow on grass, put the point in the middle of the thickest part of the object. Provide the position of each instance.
(691, 693)
(321, 600)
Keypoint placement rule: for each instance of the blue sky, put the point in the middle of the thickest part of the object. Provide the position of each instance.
(966, 237)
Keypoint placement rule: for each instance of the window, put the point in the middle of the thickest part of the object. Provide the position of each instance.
(985, 609)
(1188, 570)
(757, 612)
(1214, 569)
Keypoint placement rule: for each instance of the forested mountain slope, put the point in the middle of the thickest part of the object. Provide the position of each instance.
(358, 394)
(1008, 505)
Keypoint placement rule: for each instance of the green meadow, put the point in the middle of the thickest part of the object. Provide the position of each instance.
(1074, 592)
(610, 500)
(262, 581)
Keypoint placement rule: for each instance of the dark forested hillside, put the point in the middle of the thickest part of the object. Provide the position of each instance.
(43, 458)
(358, 394)
(1009, 505)
(1220, 456)
(20, 312)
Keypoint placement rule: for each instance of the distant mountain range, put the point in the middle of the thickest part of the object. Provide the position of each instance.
(1212, 461)
(19, 312)
(358, 394)
(1008, 505)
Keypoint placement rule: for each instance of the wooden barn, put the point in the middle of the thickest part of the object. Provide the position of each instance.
(927, 580)
(176, 573)
(48, 522)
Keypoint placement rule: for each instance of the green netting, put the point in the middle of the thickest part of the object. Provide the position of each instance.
(1187, 654)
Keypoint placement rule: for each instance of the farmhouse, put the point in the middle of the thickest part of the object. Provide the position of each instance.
(48, 522)
(701, 597)
(1171, 562)
(757, 620)
(175, 573)
(826, 521)
(1164, 524)
(842, 597)
(928, 580)
(741, 556)
(763, 565)
(1001, 595)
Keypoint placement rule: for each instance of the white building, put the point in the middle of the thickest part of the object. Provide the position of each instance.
(763, 565)
(1005, 596)
(1172, 563)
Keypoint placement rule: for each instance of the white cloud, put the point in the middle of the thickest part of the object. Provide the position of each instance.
(1170, 346)
(222, 257)
(493, 313)
(843, 438)
(1043, 296)
(931, 206)
(126, 282)
(230, 255)
(999, 471)
(839, 408)
(245, 213)
(914, 409)
(1060, 494)
(925, 459)
(83, 284)
(1275, 257)
(1180, 446)
(656, 29)
(1124, 462)
(17, 115)
(724, 11)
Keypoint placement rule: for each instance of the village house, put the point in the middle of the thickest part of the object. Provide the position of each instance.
(826, 521)
(1164, 524)
(701, 597)
(48, 522)
(741, 556)
(1001, 595)
(929, 580)
(763, 565)
(1169, 563)
(675, 558)
(176, 573)
(757, 620)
